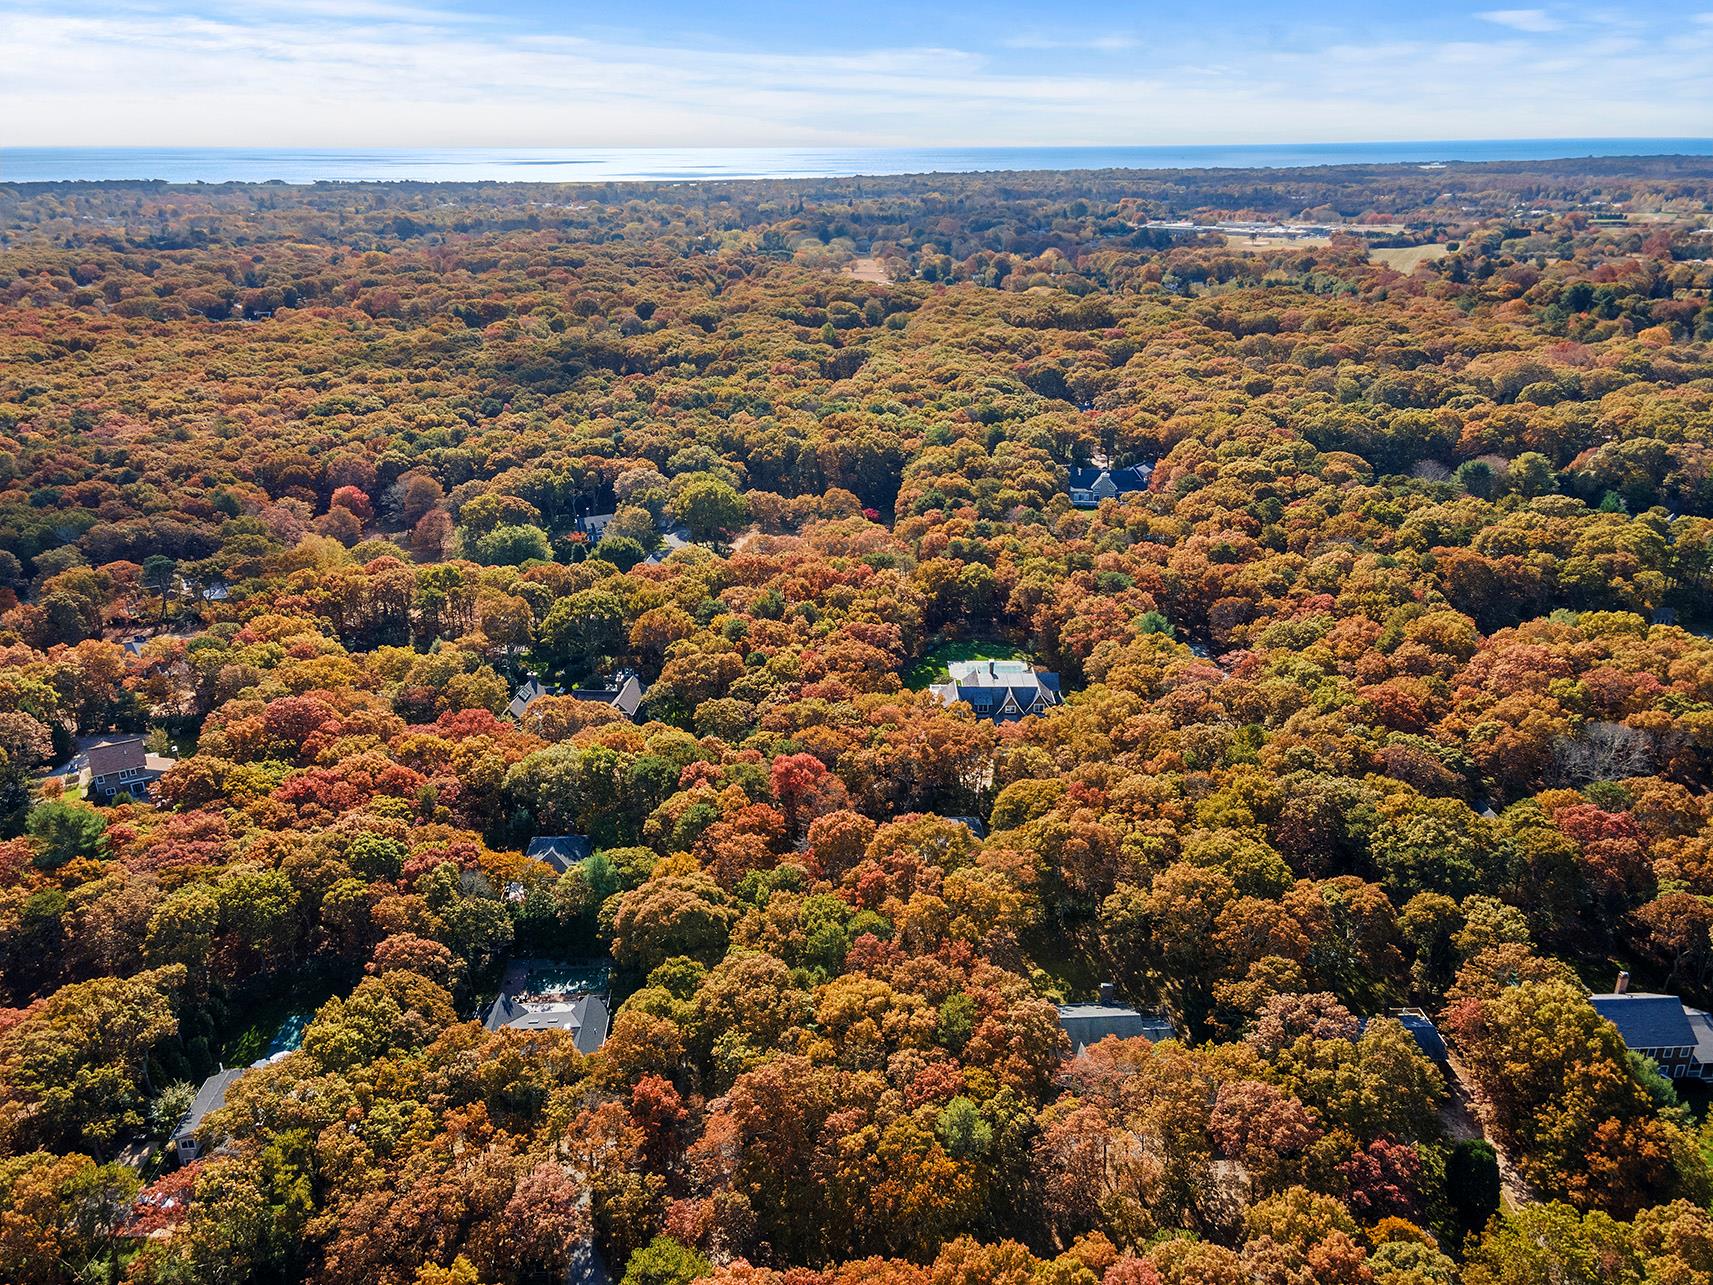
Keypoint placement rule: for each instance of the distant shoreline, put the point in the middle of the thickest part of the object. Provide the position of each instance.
(302, 166)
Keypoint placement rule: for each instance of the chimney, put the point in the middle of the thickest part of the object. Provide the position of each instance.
(1108, 993)
(1623, 986)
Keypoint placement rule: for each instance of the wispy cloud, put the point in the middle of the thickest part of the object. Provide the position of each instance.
(1111, 42)
(1532, 20)
(408, 73)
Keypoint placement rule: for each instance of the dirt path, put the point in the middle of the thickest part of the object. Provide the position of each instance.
(1464, 1115)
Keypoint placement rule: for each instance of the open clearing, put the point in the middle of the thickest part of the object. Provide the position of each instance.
(871, 270)
(1246, 241)
(932, 667)
(1405, 258)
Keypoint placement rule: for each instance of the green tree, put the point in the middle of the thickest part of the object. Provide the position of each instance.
(663, 1261)
(511, 546)
(64, 831)
(710, 508)
(74, 1067)
(160, 576)
(1554, 1245)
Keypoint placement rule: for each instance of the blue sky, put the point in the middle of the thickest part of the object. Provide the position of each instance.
(291, 73)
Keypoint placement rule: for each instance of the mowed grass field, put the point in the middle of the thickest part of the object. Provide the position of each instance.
(1405, 258)
(931, 668)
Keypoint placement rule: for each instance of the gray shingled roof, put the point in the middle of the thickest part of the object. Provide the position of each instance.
(116, 755)
(624, 692)
(1091, 1023)
(526, 695)
(209, 1098)
(561, 851)
(1123, 479)
(586, 1017)
(1647, 1021)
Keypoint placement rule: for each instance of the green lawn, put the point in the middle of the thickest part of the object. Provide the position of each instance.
(932, 667)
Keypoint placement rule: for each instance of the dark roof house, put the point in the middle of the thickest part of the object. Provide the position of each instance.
(623, 691)
(1661, 1027)
(1001, 690)
(584, 1016)
(209, 1098)
(121, 766)
(1646, 1021)
(561, 851)
(1089, 486)
(1422, 1030)
(1088, 1024)
(594, 525)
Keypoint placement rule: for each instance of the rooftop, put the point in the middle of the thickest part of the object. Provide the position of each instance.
(117, 755)
(527, 693)
(623, 691)
(998, 689)
(584, 1017)
(994, 673)
(1087, 1024)
(209, 1098)
(1645, 1020)
(561, 851)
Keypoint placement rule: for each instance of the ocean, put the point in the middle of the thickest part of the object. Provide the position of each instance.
(664, 164)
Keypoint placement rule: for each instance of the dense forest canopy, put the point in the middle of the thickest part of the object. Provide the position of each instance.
(1392, 689)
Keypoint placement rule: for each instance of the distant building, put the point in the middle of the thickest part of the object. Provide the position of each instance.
(211, 591)
(1661, 1027)
(1089, 486)
(670, 542)
(1001, 690)
(209, 1098)
(121, 766)
(561, 851)
(585, 1017)
(1088, 1024)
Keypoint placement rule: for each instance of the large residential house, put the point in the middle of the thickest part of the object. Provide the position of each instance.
(623, 691)
(121, 766)
(1661, 1027)
(528, 692)
(1001, 690)
(1087, 1024)
(1420, 1028)
(1089, 486)
(584, 1016)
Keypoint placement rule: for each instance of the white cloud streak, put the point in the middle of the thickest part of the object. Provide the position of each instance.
(388, 73)
(1532, 20)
